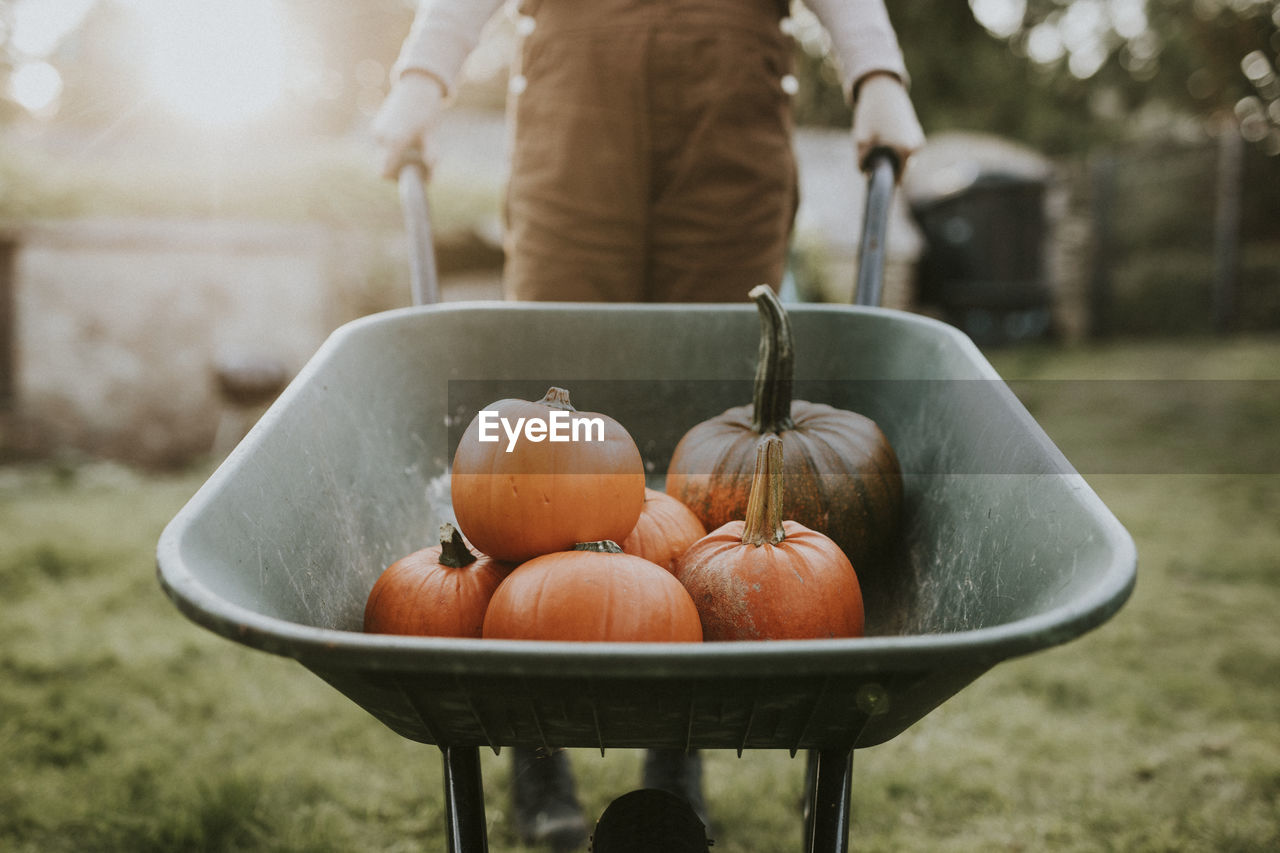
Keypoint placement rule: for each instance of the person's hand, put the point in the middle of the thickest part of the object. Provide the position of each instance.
(406, 119)
(883, 117)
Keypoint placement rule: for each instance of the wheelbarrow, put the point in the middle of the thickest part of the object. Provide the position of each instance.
(1005, 550)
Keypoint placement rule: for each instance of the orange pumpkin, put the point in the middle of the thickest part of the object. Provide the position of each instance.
(441, 591)
(842, 475)
(764, 578)
(518, 499)
(665, 529)
(592, 593)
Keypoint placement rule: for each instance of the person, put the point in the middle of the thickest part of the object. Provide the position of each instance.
(651, 155)
(651, 161)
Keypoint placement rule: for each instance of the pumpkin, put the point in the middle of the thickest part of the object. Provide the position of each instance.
(516, 499)
(763, 578)
(842, 476)
(440, 591)
(594, 592)
(665, 529)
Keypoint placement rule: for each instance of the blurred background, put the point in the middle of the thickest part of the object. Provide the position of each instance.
(189, 199)
(190, 204)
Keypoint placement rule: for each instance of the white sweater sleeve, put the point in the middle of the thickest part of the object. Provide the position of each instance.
(862, 37)
(443, 34)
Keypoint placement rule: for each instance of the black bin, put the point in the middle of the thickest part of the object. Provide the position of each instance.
(984, 259)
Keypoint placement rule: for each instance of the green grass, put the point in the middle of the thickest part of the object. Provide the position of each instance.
(123, 727)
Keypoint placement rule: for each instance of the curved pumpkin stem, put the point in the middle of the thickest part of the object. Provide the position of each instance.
(604, 546)
(764, 505)
(557, 398)
(454, 552)
(771, 411)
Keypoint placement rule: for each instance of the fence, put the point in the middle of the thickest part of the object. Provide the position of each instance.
(1184, 239)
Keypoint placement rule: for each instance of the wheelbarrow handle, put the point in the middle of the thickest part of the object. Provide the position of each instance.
(881, 167)
(412, 177)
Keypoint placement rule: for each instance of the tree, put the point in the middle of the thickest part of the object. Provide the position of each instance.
(1179, 61)
(1065, 75)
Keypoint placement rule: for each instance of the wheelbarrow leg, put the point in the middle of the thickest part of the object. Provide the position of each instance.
(829, 806)
(464, 800)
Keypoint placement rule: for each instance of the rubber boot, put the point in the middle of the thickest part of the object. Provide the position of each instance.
(679, 773)
(544, 800)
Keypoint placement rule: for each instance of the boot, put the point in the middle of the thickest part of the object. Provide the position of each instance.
(544, 800)
(679, 773)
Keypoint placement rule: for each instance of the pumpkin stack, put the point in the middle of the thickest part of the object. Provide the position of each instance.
(555, 510)
(548, 515)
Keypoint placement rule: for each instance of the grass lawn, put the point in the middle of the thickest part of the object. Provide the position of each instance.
(123, 727)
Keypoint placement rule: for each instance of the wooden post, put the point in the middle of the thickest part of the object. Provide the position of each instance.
(1103, 179)
(8, 321)
(1226, 232)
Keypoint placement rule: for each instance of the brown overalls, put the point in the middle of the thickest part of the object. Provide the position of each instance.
(652, 153)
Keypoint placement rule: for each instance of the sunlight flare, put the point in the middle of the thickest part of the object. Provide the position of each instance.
(219, 64)
(35, 86)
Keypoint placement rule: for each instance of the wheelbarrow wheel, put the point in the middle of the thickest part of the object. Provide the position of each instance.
(648, 821)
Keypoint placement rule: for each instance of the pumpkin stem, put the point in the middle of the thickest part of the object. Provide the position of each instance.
(558, 398)
(454, 552)
(771, 411)
(604, 546)
(764, 505)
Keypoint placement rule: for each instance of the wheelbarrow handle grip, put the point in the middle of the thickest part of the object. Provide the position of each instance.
(881, 167)
(412, 178)
(881, 157)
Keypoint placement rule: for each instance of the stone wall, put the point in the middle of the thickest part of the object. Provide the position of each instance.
(118, 328)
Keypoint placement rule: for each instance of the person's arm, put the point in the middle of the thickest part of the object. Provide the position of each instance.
(874, 75)
(443, 34)
(863, 39)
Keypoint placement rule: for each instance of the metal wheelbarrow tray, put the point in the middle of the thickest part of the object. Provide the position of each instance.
(1005, 550)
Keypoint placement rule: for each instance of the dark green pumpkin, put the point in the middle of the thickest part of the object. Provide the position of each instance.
(841, 475)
